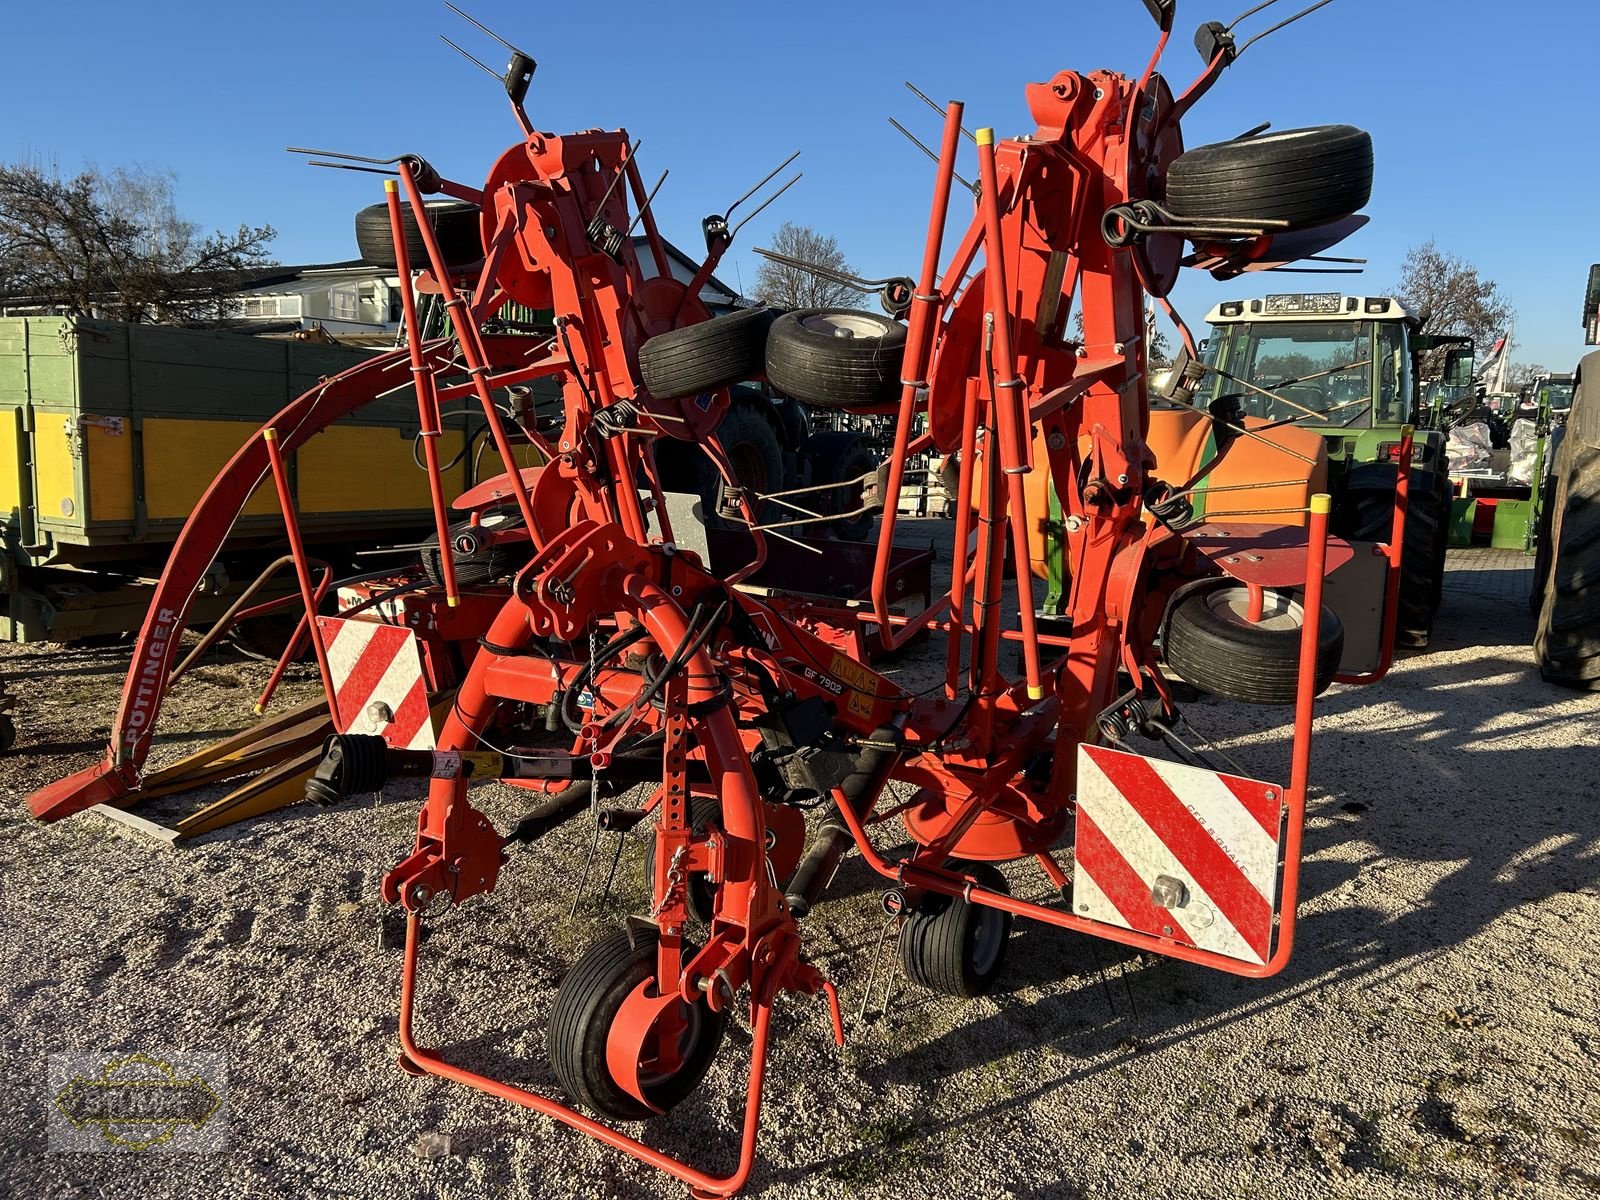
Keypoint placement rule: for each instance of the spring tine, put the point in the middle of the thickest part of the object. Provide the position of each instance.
(767, 178)
(1306, 12)
(612, 874)
(929, 152)
(1250, 12)
(482, 66)
(351, 167)
(645, 207)
(756, 212)
(474, 21)
(633, 152)
(926, 99)
(341, 154)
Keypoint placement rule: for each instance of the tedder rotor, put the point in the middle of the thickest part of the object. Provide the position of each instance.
(617, 656)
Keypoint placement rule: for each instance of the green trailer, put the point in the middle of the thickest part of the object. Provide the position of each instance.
(109, 434)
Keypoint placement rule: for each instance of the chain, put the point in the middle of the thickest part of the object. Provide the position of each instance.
(594, 771)
(676, 877)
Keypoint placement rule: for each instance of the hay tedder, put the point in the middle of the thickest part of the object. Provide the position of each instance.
(610, 660)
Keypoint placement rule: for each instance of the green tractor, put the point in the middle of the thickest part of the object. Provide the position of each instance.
(1346, 368)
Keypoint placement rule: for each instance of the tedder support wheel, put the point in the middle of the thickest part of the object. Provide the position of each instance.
(455, 226)
(707, 356)
(1567, 639)
(703, 811)
(843, 458)
(836, 357)
(953, 946)
(484, 560)
(1211, 643)
(1365, 512)
(1306, 177)
(587, 1004)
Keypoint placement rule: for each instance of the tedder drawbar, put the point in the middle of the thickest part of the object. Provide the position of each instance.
(591, 650)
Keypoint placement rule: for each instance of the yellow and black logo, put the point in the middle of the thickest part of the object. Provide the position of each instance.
(137, 1102)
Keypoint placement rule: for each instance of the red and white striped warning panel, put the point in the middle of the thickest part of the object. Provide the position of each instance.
(377, 679)
(1177, 852)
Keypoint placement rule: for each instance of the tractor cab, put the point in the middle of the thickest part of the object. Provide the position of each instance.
(1344, 367)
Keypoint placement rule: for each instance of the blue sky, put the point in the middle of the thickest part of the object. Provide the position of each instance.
(1482, 114)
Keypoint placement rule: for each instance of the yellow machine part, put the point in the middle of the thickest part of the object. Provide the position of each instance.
(1251, 477)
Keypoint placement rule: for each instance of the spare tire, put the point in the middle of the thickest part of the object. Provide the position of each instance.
(487, 560)
(1306, 177)
(455, 226)
(1210, 644)
(836, 357)
(707, 356)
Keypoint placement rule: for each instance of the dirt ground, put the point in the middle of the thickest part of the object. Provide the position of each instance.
(1435, 1034)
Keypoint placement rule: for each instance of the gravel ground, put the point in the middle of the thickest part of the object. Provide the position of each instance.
(1435, 1034)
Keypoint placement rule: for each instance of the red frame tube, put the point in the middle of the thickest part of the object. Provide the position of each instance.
(1395, 553)
(427, 398)
(302, 567)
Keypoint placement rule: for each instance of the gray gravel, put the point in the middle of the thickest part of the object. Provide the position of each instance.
(1434, 1036)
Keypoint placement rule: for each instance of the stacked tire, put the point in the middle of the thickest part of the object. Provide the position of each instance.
(822, 357)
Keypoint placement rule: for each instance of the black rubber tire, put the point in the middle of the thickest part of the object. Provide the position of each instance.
(939, 945)
(1566, 641)
(827, 370)
(580, 1021)
(455, 226)
(836, 457)
(489, 562)
(707, 356)
(703, 811)
(8, 733)
(1364, 512)
(1306, 177)
(1236, 661)
(752, 443)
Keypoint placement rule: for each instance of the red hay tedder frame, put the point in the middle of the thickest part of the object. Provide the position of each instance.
(989, 759)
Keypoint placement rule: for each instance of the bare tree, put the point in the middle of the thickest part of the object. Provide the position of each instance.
(1451, 297)
(115, 246)
(1518, 374)
(790, 287)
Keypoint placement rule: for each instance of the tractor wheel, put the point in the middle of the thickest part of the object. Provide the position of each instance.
(836, 357)
(843, 458)
(707, 356)
(703, 811)
(1365, 512)
(1306, 177)
(1567, 640)
(455, 226)
(956, 947)
(485, 563)
(1211, 644)
(753, 447)
(587, 1004)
